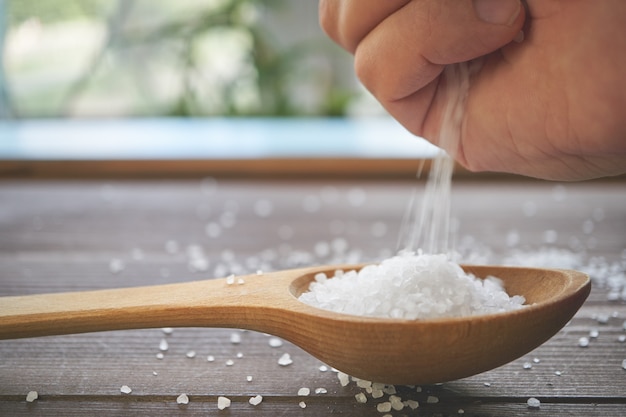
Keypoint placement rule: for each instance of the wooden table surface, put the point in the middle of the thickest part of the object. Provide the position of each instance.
(66, 235)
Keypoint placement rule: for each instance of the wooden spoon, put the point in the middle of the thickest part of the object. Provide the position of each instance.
(383, 350)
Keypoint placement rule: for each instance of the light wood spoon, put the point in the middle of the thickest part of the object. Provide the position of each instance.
(383, 350)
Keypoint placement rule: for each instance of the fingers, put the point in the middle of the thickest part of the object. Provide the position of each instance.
(408, 49)
(347, 22)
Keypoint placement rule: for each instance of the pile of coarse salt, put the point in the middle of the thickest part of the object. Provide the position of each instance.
(410, 286)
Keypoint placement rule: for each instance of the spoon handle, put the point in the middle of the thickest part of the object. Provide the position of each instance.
(246, 303)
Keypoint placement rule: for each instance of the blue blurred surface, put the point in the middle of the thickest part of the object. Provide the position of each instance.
(94, 139)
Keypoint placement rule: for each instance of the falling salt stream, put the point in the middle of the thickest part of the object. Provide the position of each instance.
(422, 281)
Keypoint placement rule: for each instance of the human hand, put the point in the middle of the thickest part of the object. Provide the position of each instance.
(552, 106)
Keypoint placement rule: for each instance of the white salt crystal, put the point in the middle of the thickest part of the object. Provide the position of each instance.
(621, 338)
(116, 266)
(536, 360)
(594, 333)
(285, 360)
(275, 342)
(241, 281)
(558, 373)
(583, 342)
(239, 355)
(360, 398)
(160, 355)
(396, 402)
(412, 404)
(533, 403)
(431, 399)
(302, 404)
(182, 399)
(191, 354)
(125, 389)
(323, 368)
(235, 338)
(230, 362)
(230, 280)
(321, 390)
(377, 393)
(344, 379)
(256, 400)
(210, 358)
(383, 407)
(527, 365)
(303, 392)
(223, 402)
(32, 396)
(410, 286)
(249, 378)
(362, 383)
(167, 330)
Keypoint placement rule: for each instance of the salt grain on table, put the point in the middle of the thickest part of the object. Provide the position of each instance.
(31, 396)
(182, 399)
(223, 403)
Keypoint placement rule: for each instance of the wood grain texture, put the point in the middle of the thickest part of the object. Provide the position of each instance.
(58, 236)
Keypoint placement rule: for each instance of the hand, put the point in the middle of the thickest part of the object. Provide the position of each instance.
(552, 106)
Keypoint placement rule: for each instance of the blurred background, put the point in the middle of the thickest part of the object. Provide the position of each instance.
(208, 80)
(185, 58)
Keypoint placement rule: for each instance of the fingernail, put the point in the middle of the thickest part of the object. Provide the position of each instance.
(498, 12)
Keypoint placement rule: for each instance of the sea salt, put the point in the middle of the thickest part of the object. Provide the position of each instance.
(533, 403)
(302, 404)
(31, 396)
(223, 403)
(285, 360)
(303, 392)
(360, 398)
(256, 400)
(182, 399)
(275, 342)
(125, 389)
(410, 286)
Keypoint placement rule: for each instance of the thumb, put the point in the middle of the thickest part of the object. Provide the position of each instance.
(412, 45)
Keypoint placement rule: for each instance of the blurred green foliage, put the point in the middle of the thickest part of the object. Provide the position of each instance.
(145, 42)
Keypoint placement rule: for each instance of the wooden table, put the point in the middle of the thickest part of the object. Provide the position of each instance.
(66, 235)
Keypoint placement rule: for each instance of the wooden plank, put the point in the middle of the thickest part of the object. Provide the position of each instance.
(63, 235)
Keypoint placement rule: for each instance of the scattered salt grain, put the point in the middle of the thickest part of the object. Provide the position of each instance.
(383, 407)
(302, 404)
(321, 390)
(235, 338)
(230, 362)
(396, 402)
(210, 358)
(344, 379)
(241, 281)
(285, 360)
(116, 266)
(256, 400)
(583, 342)
(533, 403)
(536, 360)
(125, 389)
(230, 280)
(624, 364)
(360, 398)
(32, 396)
(558, 373)
(163, 345)
(412, 404)
(275, 342)
(249, 378)
(323, 368)
(160, 355)
(621, 338)
(167, 330)
(403, 287)
(527, 365)
(431, 399)
(223, 402)
(303, 392)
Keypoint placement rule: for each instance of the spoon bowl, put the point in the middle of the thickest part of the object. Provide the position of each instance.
(384, 350)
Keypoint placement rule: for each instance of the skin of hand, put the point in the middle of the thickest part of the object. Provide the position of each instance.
(552, 106)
